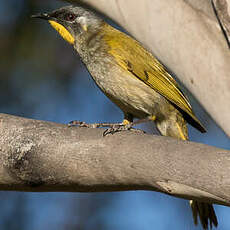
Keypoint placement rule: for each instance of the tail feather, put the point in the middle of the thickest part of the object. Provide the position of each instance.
(194, 211)
(205, 212)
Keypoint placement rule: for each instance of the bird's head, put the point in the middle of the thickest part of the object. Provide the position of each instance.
(72, 22)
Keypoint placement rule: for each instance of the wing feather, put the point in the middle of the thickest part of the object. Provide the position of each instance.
(142, 64)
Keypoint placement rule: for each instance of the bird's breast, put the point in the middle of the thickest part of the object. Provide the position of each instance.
(124, 89)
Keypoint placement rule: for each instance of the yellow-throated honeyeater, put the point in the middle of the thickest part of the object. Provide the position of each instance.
(131, 77)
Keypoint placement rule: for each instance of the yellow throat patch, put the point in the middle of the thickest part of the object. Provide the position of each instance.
(62, 31)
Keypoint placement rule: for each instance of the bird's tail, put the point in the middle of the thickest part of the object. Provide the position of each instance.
(205, 212)
(178, 130)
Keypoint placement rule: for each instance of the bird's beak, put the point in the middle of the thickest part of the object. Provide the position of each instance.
(57, 25)
(42, 16)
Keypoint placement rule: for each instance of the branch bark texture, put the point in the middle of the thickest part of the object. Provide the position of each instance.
(186, 36)
(45, 156)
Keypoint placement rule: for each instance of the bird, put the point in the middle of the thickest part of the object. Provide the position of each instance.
(132, 78)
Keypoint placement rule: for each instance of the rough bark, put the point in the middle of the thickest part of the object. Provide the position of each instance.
(45, 156)
(186, 36)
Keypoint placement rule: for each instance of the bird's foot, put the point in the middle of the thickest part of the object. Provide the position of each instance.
(117, 128)
(112, 127)
(121, 127)
(83, 124)
(97, 125)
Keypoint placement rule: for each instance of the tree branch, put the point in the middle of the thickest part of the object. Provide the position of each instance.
(186, 36)
(220, 8)
(45, 156)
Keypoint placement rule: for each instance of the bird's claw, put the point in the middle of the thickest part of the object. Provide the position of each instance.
(79, 123)
(113, 128)
(117, 128)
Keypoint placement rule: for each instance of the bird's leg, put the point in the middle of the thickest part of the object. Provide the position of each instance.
(128, 124)
(128, 118)
(125, 125)
(118, 127)
(94, 125)
(144, 120)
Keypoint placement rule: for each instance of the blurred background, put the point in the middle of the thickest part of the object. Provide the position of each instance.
(41, 77)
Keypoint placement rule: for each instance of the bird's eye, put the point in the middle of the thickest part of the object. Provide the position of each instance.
(70, 17)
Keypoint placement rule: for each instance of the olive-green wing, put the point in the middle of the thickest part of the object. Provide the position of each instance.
(143, 65)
